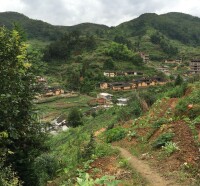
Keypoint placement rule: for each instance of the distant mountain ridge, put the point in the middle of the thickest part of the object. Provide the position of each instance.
(41, 30)
(176, 26)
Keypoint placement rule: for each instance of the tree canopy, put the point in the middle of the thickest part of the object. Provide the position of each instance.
(17, 120)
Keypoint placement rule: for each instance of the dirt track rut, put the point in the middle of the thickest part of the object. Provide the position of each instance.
(143, 168)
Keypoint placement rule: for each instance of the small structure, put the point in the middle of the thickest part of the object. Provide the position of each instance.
(195, 66)
(106, 96)
(97, 101)
(145, 57)
(122, 101)
(53, 91)
(57, 125)
(103, 85)
(122, 73)
(109, 74)
(173, 61)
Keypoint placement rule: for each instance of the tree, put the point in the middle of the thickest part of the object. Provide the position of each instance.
(75, 117)
(118, 51)
(137, 60)
(178, 80)
(17, 121)
(109, 64)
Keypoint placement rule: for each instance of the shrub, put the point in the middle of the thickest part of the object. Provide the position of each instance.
(75, 117)
(170, 147)
(162, 140)
(45, 167)
(131, 134)
(115, 134)
(104, 150)
(84, 179)
(160, 122)
(177, 91)
(182, 106)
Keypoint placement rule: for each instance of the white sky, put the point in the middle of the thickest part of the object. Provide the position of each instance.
(108, 12)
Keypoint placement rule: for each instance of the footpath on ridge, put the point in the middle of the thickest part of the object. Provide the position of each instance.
(153, 178)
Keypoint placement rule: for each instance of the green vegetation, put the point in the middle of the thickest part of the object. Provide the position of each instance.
(170, 147)
(75, 58)
(115, 134)
(75, 118)
(20, 130)
(162, 140)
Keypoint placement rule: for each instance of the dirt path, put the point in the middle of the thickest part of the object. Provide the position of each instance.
(140, 166)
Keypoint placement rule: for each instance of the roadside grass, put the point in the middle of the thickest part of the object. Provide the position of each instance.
(135, 177)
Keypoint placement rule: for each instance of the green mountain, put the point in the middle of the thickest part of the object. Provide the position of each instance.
(162, 36)
(177, 26)
(37, 29)
(182, 27)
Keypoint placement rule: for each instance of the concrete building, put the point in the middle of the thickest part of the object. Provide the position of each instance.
(195, 66)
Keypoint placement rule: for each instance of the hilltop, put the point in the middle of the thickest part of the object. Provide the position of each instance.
(41, 30)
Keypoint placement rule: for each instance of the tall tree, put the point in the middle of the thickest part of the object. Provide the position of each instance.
(17, 121)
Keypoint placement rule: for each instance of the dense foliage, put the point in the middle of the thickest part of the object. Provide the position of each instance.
(20, 132)
(69, 44)
(165, 45)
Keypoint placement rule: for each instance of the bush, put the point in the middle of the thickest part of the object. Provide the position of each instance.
(177, 91)
(160, 122)
(45, 167)
(75, 117)
(104, 150)
(115, 134)
(8, 177)
(182, 106)
(162, 140)
(170, 147)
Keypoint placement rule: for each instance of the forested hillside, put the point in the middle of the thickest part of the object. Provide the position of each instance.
(37, 29)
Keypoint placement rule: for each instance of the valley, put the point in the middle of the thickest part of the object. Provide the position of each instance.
(108, 105)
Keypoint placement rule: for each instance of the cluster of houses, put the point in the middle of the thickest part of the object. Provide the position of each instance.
(137, 83)
(126, 73)
(104, 100)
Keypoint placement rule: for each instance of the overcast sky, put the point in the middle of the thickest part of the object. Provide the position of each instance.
(108, 12)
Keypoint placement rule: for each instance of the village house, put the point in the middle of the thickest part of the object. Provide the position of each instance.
(128, 73)
(195, 66)
(145, 57)
(109, 74)
(98, 101)
(121, 86)
(164, 69)
(173, 61)
(103, 85)
(53, 91)
(140, 83)
(121, 73)
(145, 82)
